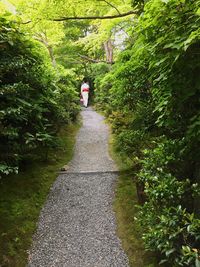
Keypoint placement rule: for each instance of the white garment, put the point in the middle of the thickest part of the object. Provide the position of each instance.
(84, 86)
(85, 92)
(85, 98)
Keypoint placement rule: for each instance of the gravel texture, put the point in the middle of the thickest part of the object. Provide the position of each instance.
(91, 150)
(77, 226)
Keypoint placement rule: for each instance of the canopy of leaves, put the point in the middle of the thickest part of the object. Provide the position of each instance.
(71, 36)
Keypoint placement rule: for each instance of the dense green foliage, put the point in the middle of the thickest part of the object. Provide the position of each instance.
(36, 100)
(151, 96)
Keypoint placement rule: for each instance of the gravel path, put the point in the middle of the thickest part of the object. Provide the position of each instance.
(77, 226)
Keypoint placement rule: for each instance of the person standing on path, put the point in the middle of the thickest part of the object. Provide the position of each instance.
(85, 92)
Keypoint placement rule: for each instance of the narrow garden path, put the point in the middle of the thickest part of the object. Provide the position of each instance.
(77, 226)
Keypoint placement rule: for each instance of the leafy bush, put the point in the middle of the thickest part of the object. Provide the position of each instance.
(170, 227)
(34, 102)
(153, 103)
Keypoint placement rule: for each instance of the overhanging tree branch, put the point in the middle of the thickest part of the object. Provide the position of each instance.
(26, 22)
(97, 17)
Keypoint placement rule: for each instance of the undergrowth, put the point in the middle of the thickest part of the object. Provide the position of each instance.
(125, 206)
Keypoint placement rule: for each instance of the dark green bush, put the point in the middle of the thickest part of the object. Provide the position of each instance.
(153, 103)
(170, 226)
(34, 102)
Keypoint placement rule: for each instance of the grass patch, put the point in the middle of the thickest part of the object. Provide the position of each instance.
(125, 208)
(22, 197)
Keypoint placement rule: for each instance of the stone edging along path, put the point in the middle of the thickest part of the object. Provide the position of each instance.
(77, 226)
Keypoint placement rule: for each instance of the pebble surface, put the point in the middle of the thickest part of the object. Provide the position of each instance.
(77, 226)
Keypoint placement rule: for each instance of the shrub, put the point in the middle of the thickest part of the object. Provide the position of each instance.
(34, 104)
(153, 102)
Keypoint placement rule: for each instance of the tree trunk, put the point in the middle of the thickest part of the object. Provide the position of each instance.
(51, 54)
(108, 46)
(43, 39)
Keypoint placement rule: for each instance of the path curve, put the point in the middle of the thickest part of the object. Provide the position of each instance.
(77, 226)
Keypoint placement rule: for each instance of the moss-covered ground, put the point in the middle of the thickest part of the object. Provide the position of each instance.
(22, 197)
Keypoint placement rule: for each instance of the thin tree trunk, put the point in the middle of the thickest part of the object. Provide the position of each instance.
(43, 39)
(108, 46)
(51, 54)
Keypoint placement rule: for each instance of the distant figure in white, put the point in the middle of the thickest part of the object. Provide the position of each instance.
(85, 92)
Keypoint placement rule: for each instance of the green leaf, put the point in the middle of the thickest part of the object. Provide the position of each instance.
(169, 252)
(162, 261)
